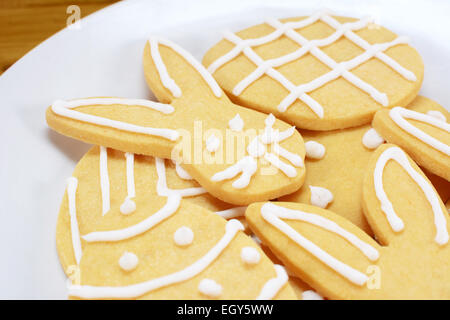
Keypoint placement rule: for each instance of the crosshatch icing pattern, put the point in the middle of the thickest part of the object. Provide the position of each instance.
(313, 47)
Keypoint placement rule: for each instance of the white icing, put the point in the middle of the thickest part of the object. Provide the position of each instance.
(181, 172)
(236, 124)
(273, 214)
(395, 153)
(372, 139)
(183, 236)
(232, 213)
(399, 116)
(65, 109)
(128, 261)
(128, 206)
(437, 114)
(136, 290)
(256, 149)
(166, 80)
(314, 150)
(246, 165)
(104, 179)
(210, 288)
(311, 295)
(72, 184)
(171, 206)
(287, 169)
(212, 143)
(273, 286)
(161, 185)
(320, 197)
(250, 255)
(293, 158)
(312, 47)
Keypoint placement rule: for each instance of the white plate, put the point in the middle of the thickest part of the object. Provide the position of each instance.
(104, 58)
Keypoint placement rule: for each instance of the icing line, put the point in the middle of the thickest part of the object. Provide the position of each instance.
(65, 109)
(135, 290)
(312, 47)
(270, 214)
(161, 185)
(166, 80)
(399, 114)
(171, 206)
(232, 212)
(396, 223)
(274, 285)
(104, 180)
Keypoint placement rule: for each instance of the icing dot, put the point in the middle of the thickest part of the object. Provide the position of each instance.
(320, 197)
(314, 150)
(128, 261)
(236, 124)
(183, 236)
(250, 255)
(372, 139)
(437, 114)
(311, 295)
(128, 206)
(212, 143)
(210, 288)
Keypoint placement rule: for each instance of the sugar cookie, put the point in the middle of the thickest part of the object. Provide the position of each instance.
(425, 137)
(111, 255)
(320, 72)
(198, 111)
(342, 262)
(340, 171)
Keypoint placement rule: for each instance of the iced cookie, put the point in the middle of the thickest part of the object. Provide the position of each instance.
(335, 165)
(422, 131)
(320, 72)
(340, 261)
(237, 154)
(301, 289)
(149, 246)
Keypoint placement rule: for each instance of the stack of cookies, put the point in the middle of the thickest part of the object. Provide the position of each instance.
(296, 162)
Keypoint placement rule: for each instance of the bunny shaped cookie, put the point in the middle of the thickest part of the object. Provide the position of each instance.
(151, 242)
(237, 154)
(340, 261)
(422, 130)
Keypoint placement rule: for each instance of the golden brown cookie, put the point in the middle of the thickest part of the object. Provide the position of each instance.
(320, 72)
(340, 261)
(151, 246)
(422, 131)
(335, 165)
(237, 154)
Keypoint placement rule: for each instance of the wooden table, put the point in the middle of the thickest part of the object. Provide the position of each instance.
(26, 23)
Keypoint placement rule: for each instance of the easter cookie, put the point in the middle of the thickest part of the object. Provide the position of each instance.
(334, 180)
(166, 247)
(320, 72)
(340, 261)
(422, 130)
(237, 154)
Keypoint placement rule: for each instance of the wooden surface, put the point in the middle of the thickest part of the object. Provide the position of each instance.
(26, 23)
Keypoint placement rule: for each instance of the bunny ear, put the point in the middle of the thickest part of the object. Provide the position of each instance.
(173, 73)
(131, 125)
(325, 250)
(399, 201)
